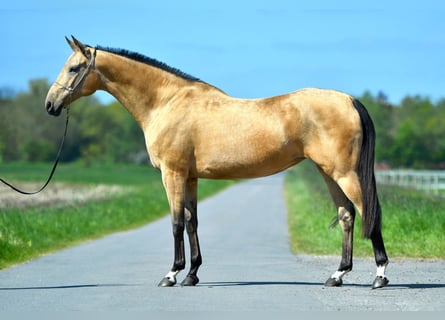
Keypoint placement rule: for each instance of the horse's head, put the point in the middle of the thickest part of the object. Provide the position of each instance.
(78, 78)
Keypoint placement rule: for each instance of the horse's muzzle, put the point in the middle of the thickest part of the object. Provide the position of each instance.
(52, 109)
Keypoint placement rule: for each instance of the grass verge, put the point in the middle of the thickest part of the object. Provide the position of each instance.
(30, 232)
(413, 222)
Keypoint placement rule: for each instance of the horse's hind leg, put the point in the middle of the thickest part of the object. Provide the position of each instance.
(191, 224)
(381, 260)
(346, 217)
(350, 188)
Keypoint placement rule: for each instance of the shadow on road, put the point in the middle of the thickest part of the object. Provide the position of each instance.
(392, 286)
(416, 286)
(296, 283)
(258, 283)
(74, 286)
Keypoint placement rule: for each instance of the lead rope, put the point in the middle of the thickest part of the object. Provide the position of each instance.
(56, 162)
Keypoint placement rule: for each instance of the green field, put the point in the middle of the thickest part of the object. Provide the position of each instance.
(32, 231)
(413, 222)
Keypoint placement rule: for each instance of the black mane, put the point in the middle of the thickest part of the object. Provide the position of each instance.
(150, 61)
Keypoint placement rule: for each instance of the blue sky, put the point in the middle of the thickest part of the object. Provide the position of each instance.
(247, 48)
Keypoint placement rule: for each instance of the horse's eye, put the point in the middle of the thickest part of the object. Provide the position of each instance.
(75, 69)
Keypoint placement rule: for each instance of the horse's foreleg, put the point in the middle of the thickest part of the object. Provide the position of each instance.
(174, 185)
(191, 223)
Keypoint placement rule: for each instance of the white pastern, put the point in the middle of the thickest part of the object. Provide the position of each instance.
(172, 276)
(381, 271)
(338, 274)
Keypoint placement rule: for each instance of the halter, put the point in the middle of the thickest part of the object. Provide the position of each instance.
(82, 76)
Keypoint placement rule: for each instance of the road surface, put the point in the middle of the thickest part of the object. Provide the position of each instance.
(248, 266)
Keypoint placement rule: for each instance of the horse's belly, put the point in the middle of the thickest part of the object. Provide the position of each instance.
(244, 171)
(241, 165)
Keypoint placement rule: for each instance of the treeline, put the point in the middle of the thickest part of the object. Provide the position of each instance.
(410, 134)
(95, 133)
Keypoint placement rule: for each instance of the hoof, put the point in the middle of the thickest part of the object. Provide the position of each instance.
(189, 281)
(379, 282)
(333, 282)
(166, 282)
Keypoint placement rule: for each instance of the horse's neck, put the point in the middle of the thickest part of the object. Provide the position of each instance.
(140, 88)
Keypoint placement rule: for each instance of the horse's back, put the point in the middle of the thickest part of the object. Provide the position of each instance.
(322, 101)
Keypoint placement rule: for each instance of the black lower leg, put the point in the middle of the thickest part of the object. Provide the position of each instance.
(195, 254)
(379, 248)
(179, 259)
(178, 234)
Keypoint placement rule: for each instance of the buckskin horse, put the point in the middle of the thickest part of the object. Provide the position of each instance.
(194, 130)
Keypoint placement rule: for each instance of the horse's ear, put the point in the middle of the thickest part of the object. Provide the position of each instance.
(79, 46)
(71, 44)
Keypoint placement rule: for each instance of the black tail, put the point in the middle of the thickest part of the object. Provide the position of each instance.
(372, 213)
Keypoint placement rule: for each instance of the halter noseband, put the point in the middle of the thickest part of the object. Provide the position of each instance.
(82, 77)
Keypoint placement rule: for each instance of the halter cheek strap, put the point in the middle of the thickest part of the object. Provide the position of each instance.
(82, 77)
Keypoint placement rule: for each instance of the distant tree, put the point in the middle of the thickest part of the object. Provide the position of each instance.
(39, 134)
(95, 132)
(10, 129)
(415, 135)
(410, 134)
(6, 94)
(106, 133)
(434, 134)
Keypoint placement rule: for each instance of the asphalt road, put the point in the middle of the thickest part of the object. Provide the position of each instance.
(247, 266)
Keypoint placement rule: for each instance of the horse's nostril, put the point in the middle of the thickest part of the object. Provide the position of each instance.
(48, 105)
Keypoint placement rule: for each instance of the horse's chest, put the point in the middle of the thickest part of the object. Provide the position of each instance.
(165, 152)
(154, 159)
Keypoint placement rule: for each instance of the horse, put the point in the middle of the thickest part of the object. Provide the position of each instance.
(195, 130)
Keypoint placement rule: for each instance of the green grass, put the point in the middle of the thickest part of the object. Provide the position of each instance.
(30, 232)
(413, 222)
